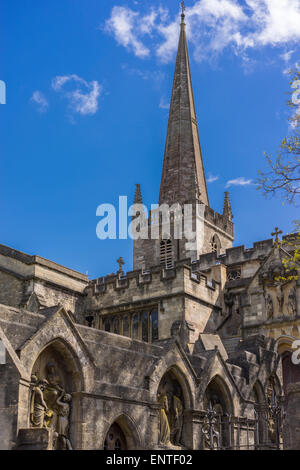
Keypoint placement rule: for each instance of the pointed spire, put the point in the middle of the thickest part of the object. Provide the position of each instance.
(183, 178)
(138, 195)
(182, 12)
(227, 212)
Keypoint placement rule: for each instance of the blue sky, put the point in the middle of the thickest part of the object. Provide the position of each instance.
(88, 86)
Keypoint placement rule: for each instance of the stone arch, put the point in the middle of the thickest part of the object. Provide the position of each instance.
(62, 348)
(258, 393)
(218, 386)
(290, 371)
(284, 343)
(173, 395)
(59, 365)
(273, 381)
(217, 396)
(129, 430)
(215, 243)
(59, 327)
(183, 380)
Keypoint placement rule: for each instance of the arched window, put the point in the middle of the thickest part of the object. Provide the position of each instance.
(116, 326)
(215, 244)
(115, 439)
(126, 326)
(166, 254)
(154, 325)
(145, 327)
(135, 326)
(290, 371)
(106, 324)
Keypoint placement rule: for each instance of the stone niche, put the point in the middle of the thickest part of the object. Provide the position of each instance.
(171, 415)
(54, 400)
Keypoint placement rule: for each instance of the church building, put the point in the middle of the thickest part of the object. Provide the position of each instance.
(191, 350)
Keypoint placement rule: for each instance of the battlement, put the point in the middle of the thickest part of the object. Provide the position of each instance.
(150, 280)
(235, 255)
(219, 220)
(138, 278)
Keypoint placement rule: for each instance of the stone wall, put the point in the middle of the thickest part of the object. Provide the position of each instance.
(9, 390)
(291, 433)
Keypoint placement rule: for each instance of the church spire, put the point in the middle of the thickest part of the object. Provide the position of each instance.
(183, 177)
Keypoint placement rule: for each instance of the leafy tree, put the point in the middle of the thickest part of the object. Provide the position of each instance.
(283, 177)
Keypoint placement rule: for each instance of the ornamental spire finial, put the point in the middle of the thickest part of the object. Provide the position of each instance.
(182, 11)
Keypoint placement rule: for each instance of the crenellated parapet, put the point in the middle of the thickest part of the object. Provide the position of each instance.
(183, 270)
(222, 221)
(235, 255)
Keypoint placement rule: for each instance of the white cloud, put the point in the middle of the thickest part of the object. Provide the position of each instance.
(211, 178)
(83, 99)
(277, 21)
(125, 24)
(164, 104)
(40, 100)
(170, 33)
(286, 56)
(212, 26)
(156, 76)
(241, 181)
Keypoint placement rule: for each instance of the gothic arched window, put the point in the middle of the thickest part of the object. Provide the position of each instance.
(166, 253)
(154, 325)
(145, 327)
(115, 439)
(135, 326)
(126, 326)
(106, 324)
(116, 326)
(215, 244)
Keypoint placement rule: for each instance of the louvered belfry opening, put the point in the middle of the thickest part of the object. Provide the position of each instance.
(166, 254)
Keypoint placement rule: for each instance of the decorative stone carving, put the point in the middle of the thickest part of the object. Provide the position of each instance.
(234, 274)
(292, 303)
(50, 407)
(211, 423)
(38, 407)
(171, 412)
(176, 419)
(269, 307)
(280, 297)
(62, 429)
(164, 427)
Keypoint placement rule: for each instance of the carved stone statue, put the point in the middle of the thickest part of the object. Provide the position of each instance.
(62, 429)
(171, 411)
(164, 427)
(50, 406)
(177, 420)
(38, 406)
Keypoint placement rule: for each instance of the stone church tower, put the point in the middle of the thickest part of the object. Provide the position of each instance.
(183, 182)
(193, 349)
